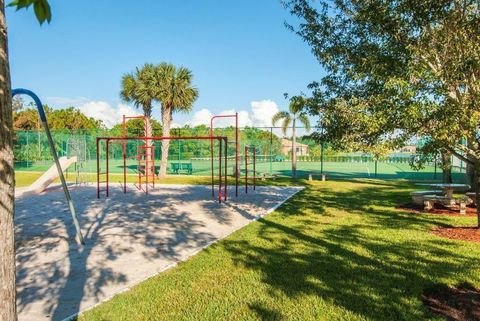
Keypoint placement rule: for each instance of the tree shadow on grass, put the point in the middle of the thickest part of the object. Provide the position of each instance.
(355, 264)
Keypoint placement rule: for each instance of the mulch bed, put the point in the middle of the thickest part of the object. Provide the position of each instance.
(463, 233)
(459, 303)
(471, 234)
(440, 210)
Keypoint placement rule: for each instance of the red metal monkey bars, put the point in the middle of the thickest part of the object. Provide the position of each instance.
(222, 190)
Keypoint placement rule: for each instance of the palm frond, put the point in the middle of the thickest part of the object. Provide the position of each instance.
(279, 115)
(286, 124)
(303, 118)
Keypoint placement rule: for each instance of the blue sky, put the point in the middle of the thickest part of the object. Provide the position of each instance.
(240, 53)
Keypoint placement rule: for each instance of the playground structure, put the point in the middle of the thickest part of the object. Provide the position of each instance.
(77, 148)
(49, 176)
(236, 171)
(222, 177)
(146, 158)
(43, 118)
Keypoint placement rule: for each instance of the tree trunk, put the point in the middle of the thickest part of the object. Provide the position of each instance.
(294, 150)
(470, 171)
(7, 183)
(447, 167)
(166, 120)
(477, 192)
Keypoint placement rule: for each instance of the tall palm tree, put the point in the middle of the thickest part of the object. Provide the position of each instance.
(176, 93)
(296, 112)
(140, 88)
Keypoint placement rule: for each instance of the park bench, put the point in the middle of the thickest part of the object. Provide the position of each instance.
(177, 167)
(417, 196)
(473, 197)
(430, 200)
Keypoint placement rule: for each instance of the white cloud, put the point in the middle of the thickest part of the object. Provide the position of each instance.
(260, 115)
(201, 117)
(103, 111)
(262, 112)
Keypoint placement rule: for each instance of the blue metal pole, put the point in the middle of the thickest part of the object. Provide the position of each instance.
(43, 118)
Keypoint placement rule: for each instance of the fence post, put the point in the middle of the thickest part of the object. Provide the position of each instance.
(271, 143)
(321, 157)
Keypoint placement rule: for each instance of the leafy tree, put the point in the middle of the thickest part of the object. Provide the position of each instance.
(139, 88)
(396, 69)
(59, 119)
(296, 112)
(17, 103)
(7, 173)
(72, 119)
(27, 119)
(136, 127)
(175, 92)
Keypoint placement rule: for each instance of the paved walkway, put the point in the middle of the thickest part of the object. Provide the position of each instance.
(128, 239)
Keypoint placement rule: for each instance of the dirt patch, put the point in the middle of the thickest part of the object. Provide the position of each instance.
(459, 303)
(470, 233)
(439, 210)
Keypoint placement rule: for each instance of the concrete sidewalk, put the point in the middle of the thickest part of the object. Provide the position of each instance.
(128, 239)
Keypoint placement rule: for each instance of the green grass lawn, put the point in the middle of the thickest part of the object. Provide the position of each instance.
(337, 251)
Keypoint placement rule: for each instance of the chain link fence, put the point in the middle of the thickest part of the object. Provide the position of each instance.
(274, 154)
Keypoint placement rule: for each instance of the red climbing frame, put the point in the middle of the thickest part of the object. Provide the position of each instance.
(254, 154)
(222, 190)
(125, 151)
(148, 165)
(226, 147)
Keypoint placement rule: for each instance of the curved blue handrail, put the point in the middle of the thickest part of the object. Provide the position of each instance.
(43, 118)
(41, 111)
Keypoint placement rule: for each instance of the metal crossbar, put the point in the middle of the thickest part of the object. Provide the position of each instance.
(222, 190)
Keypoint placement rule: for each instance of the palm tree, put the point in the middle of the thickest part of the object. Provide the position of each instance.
(140, 89)
(176, 93)
(296, 113)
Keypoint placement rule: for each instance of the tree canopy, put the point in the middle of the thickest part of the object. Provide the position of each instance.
(395, 70)
(59, 119)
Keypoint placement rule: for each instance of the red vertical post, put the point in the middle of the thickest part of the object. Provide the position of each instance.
(226, 169)
(139, 168)
(236, 154)
(245, 155)
(220, 170)
(98, 169)
(153, 166)
(211, 154)
(147, 168)
(124, 156)
(108, 187)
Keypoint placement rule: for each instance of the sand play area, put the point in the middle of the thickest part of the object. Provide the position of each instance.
(129, 237)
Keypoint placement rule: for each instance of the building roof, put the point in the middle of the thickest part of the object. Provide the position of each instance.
(288, 143)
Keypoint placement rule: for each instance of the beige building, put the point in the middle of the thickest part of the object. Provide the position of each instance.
(302, 149)
(408, 149)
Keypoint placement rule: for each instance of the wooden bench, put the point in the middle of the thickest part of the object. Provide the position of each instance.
(417, 196)
(177, 167)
